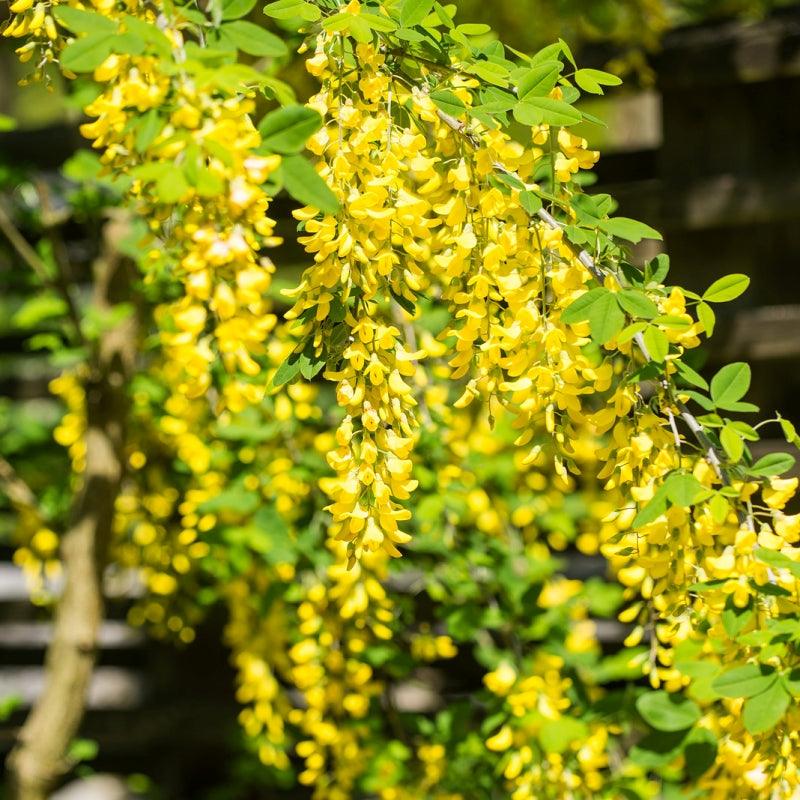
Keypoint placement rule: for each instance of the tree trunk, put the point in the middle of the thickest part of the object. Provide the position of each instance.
(39, 759)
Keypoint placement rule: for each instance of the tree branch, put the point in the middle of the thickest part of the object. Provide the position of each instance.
(39, 759)
(15, 489)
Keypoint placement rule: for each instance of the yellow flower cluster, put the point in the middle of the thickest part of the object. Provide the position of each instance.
(33, 20)
(544, 756)
(259, 643)
(199, 180)
(37, 545)
(368, 262)
(338, 619)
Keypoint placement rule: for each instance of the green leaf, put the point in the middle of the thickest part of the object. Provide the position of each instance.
(778, 560)
(80, 21)
(699, 398)
(673, 321)
(412, 12)
(690, 376)
(234, 9)
(448, 102)
(547, 53)
(727, 288)
(254, 40)
(765, 710)
(509, 180)
(557, 735)
(378, 22)
(745, 681)
(637, 304)
(287, 129)
(148, 32)
(171, 186)
(147, 128)
(735, 619)
(233, 498)
(720, 508)
(606, 319)
(270, 536)
(7, 123)
(358, 28)
(789, 430)
(490, 72)
(83, 750)
(530, 201)
(565, 49)
(657, 269)
(545, 111)
(683, 489)
(310, 365)
(732, 442)
(539, 80)
(593, 80)
(445, 14)
(772, 464)
(630, 331)
(699, 752)
(653, 509)
(579, 310)
(88, 53)
(667, 712)
(656, 750)
(287, 371)
(292, 9)
(747, 432)
(39, 308)
(473, 28)
(630, 229)
(740, 406)
(657, 343)
(706, 317)
(730, 384)
(303, 183)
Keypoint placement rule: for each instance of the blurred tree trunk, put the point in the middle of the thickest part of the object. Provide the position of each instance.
(39, 759)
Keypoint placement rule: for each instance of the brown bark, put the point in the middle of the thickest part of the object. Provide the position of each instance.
(39, 758)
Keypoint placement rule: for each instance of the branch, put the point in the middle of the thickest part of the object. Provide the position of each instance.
(711, 453)
(41, 270)
(18, 492)
(39, 758)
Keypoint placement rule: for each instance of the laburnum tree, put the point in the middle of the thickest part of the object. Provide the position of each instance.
(376, 468)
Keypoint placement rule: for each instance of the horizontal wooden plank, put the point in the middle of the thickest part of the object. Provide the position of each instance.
(760, 334)
(114, 635)
(730, 52)
(720, 201)
(118, 584)
(96, 787)
(112, 688)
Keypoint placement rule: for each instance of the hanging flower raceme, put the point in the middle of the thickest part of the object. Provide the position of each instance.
(184, 140)
(369, 264)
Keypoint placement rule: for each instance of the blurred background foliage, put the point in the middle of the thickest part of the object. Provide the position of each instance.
(622, 34)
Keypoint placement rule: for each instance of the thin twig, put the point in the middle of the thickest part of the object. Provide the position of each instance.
(17, 491)
(674, 428)
(40, 269)
(64, 278)
(711, 453)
